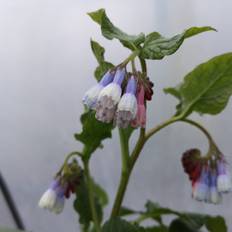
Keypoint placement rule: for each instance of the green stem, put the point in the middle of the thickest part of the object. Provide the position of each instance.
(131, 57)
(91, 196)
(160, 126)
(143, 65)
(199, 126)
(74, 153)
(124, 173)
(212, 144)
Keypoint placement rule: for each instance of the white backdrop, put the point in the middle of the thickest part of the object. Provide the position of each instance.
(46, 65)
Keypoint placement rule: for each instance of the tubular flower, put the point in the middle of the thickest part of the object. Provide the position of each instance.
(140, 120)
(224, 180)
(66, 182)
(109, 98)
(209, 175)
(91, 96)
(214, 196)
(53, 198)
(127, 107)
(201, 187)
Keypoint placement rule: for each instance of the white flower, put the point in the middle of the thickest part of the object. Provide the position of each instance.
(48, 199)
(109, 97)
(224, 183)
(59, 205)
(91, 96)
(214, 196)
(200, 191)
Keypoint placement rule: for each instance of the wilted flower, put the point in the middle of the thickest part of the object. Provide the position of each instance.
(91, 96)
(140, 120)
(109, 98)
(127, 107)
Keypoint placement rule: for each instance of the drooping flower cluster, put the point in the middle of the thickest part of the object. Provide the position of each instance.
(61, 188)
(120, 97)
(209, 176)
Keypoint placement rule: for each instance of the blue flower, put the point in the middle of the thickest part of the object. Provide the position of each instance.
(91, 96)
(127, 107)
(53, 199)
(109, 98)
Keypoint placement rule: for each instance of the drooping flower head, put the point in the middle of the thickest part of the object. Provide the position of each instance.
(109, 97)
(140, 119)
(127, 107)
(209, 175)
(91, 96)
(63, 185)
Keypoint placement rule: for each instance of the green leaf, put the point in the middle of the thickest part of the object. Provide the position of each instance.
(156, 47)
(207, 88)
(101, 194)
(178, 225)
(103, 66)
(124, 211)
(110, 31)
(119, 225)
(96, 16)
(98, 51)
(82, 205)
(193, 220)
(9, 230)
(216, 224)
(93, 133)
(155, 210)
(156, 229)
(102, 69)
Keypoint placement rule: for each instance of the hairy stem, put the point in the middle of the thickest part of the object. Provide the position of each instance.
(160, 126)
(212, 144)
(124, 173)
(91, 196)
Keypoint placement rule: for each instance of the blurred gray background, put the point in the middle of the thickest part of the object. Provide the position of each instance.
(46, 65)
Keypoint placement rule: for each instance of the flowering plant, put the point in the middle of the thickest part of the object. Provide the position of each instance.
(120, 99)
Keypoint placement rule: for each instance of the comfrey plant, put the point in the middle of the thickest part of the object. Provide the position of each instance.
(119, 100)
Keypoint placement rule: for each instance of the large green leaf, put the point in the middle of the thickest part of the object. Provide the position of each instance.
(216, 224)
(93, 133)
(207, 88)
(110, 31)
(179, 225)
(119, 225)
(157, 47)
(82, 205)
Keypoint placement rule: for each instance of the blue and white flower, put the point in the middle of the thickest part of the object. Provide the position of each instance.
(214, 196)
(91, 96)
(127, 107)
(109, 98)
(53, 199)
(224, 179)
(201, 187)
